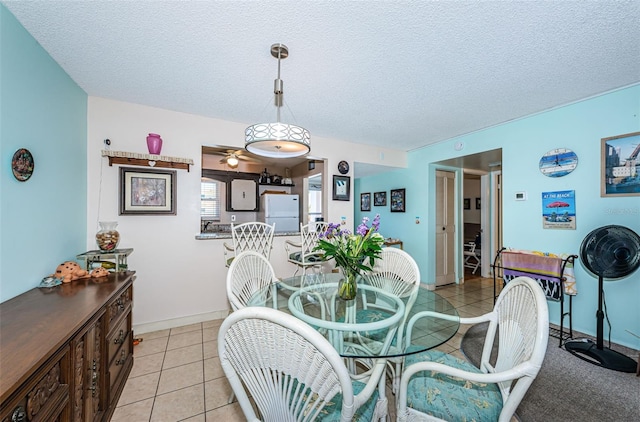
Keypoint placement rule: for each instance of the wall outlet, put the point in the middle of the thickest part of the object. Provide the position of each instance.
(233, 217)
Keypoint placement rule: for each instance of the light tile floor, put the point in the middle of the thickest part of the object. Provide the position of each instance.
(177, 375)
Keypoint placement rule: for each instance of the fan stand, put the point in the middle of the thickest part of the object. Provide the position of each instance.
(596, 353)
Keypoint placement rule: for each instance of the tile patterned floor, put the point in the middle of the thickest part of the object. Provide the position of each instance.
(177, 375)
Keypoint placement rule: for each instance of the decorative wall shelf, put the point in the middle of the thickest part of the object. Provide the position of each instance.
(147, 160)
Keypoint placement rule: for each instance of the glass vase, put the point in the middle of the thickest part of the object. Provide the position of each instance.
(347, 286)
(107, 237)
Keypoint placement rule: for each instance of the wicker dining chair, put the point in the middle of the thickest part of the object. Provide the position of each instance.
(396, 272)
(301, 253)
(252, 236)
(250, 272)
(290, 371)
(436, 386)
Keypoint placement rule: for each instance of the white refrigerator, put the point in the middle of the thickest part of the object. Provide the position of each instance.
(284, 210)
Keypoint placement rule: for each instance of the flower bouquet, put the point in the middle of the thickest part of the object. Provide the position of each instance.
(353, 252)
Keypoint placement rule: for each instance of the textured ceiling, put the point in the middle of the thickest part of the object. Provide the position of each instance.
(402, 74)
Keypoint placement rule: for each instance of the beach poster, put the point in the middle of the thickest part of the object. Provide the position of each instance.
(559, 210)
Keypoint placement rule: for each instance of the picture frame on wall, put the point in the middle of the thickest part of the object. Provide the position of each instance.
(341, 187)
(365, 202)
(467, 203)
(619, 174)
(478, 203)
(147, 191)
(398, 200)
(379, 199)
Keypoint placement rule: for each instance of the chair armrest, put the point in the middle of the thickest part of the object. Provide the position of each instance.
(518, 371)
(289, 243)
(228, 247)
(475, 320)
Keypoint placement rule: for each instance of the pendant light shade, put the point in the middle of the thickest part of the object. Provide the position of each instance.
(277, 140)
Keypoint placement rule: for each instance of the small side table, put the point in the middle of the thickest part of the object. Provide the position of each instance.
(392, 242)
(118, 256)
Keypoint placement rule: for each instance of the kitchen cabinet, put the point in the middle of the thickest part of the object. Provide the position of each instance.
(244, 195)
(67, 350)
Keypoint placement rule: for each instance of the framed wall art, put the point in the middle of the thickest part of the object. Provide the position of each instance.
(365, 202)
(379, 199)
(467, 203)
(620, 173)
(398, 201)
(341, 188)
(478, 204)
(147, 191)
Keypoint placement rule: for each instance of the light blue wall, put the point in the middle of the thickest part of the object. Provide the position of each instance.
(579, 127)
(42, 220)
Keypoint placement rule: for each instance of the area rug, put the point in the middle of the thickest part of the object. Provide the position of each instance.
(568, 388)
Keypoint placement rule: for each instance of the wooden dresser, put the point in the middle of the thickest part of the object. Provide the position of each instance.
(66, 352)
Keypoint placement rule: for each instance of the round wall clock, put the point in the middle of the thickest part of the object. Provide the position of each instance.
(22, 164)
(343, 167)
(558, 162)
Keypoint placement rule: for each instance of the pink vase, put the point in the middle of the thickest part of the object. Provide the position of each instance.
(154, 143)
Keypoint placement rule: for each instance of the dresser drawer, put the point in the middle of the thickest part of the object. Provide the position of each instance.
(118, 307)
(117, 337)
(44, 397)
(123, 358)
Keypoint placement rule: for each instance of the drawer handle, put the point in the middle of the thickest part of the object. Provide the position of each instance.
(19, 415)
(123, 357)
(120, 304)
(94, 379)
(120, 338)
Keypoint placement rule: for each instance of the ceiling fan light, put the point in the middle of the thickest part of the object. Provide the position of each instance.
(232, 161)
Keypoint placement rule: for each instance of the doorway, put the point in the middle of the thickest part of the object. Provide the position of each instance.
(487, 167)
(313, 206)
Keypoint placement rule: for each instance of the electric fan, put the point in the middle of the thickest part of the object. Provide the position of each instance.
(610, 252)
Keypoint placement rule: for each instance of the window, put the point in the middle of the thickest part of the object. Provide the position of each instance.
(209, 199)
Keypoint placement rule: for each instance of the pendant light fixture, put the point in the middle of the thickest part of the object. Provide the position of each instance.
(277, 140)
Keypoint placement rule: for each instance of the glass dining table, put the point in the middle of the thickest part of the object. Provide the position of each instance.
(374, 325)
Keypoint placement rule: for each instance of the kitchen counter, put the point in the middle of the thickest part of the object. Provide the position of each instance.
(209, 236)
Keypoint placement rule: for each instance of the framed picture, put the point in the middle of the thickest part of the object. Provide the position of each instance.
(147, 191)
(379, 198)
(365, 202)
(398, 200)
(478, 203)
(619, 171)
(467, 203)
(341, 188)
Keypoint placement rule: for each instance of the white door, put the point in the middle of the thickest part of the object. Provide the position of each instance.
(445, 227)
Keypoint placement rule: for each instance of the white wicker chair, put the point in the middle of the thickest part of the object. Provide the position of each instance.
(249, 273)
(396, 272)
(471, 256)
(301, 253)
(442, 387)
(253, 236)
(291, 372)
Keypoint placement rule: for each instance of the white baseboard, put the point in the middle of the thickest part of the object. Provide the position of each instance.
(178, 322)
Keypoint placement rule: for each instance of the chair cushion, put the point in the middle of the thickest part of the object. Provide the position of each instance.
(331, 411)
(297, 256)
(451, 398)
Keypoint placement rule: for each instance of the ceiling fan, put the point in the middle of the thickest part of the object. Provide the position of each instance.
(231, 157)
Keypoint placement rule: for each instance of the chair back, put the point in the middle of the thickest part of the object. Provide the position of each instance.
(249, 273)
(287, 367)
(253, 236)
(521, 318)
(395, 271)
(309, 237)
